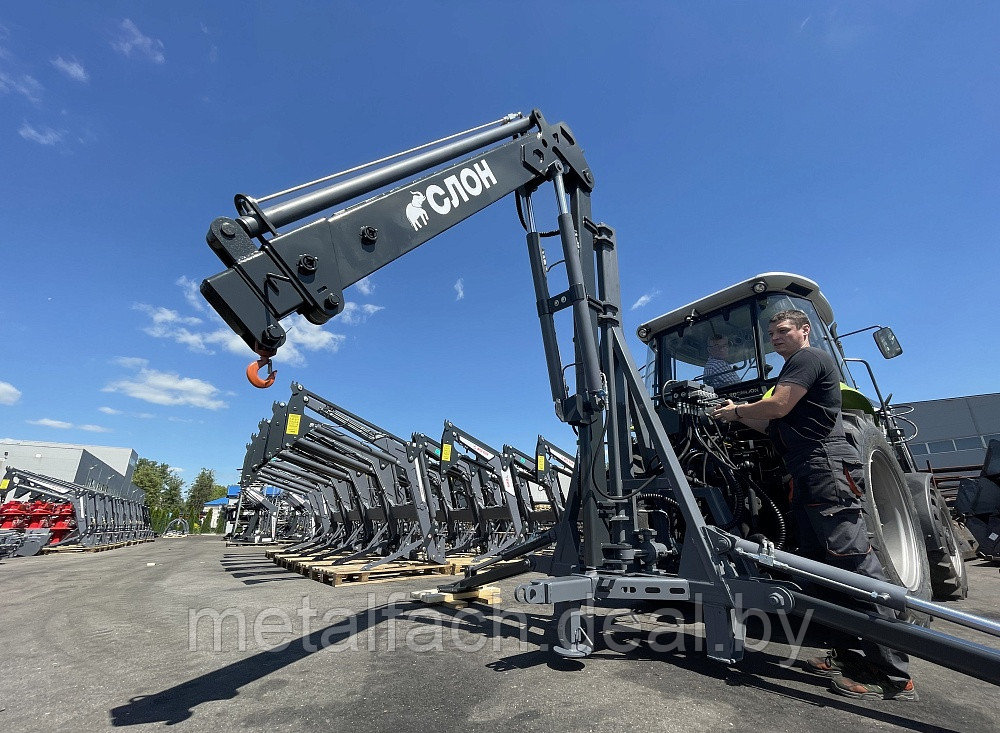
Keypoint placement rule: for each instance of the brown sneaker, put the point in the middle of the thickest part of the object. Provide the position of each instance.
(828, 666)
(882, 689)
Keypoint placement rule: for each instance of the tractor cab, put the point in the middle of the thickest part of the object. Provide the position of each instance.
(721, 340)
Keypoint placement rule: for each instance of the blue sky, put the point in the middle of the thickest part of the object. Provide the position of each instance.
(854, 143)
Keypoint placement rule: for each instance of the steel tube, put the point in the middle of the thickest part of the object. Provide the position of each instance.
(368, 448)
(312, 203)
(959, 617)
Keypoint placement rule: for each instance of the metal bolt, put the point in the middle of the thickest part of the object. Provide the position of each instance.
(272, 334)
(369, 234)
(307, 264)
(332, 302)
(776, 600)
(228, 230)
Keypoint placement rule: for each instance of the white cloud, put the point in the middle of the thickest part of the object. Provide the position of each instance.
(131, 42)
(94, 428)
(164, 388)
(645, 299)
(169, 324)
(46, 422)
(197, 341)
(164, 316)
(25, 85)
(353, 314)
(73, 69)
(365, 285)
(302, 335)
(45, 136)
(131, 362)
(459, 289)
(113, 411)
(9, 394)
(192, 294)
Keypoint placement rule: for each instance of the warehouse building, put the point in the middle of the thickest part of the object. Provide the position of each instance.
(107, 468)
(953, 432)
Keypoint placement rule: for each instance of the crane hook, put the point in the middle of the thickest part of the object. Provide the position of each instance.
(255, 366)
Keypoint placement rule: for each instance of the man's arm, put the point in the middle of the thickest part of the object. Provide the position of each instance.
(758, 414)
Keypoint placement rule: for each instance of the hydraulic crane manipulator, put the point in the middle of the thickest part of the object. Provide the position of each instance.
(622, 551)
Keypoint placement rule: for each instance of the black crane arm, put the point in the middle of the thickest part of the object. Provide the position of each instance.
(604, 546)
(306, 270)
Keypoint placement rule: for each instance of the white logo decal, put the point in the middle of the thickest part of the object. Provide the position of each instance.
(415, 212)
(458, 187)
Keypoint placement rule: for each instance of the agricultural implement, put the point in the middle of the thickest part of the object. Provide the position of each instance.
(51, 513)
(374, 498)
(611, 543)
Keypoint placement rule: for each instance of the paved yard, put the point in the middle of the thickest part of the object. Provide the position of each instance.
(214, 638)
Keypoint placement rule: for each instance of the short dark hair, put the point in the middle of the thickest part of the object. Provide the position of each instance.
(797, 317)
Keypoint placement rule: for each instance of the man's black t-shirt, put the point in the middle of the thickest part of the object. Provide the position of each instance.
(815, 420)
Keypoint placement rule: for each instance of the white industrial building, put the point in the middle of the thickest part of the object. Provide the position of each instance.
(105, 467)
(953, 432)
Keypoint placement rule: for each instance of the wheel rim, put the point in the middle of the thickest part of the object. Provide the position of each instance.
(899, 538)
(955, 554)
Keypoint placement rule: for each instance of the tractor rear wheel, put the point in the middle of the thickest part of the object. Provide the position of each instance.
(949, 577)
(893, 523)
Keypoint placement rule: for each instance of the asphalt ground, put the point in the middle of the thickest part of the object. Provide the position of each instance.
(192, 633)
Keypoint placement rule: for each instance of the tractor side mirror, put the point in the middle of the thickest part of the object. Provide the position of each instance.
(886, 341)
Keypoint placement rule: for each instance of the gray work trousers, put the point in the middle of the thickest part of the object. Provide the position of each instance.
(827, 486)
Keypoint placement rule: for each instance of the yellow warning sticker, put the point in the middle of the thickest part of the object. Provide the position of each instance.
(541, 463)
(446, 452)
(3, 483)
(292, 428)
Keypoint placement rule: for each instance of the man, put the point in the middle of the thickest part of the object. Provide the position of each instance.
(718, 371)
(803, 417)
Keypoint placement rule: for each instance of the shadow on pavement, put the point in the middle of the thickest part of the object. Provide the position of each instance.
(759, 670)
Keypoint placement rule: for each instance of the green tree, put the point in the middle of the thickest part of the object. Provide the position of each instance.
(220, 525)
(218, 492)
(151, 477)
(171, 498)
(201, 491)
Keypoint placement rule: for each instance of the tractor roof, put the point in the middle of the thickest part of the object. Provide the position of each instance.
(768, 282)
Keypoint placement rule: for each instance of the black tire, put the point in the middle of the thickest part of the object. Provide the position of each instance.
(893, 524)
(967, 544)
(949, 576)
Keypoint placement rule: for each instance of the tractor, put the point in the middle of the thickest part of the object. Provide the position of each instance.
(717, 347)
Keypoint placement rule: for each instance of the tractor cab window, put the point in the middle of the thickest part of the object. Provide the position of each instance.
(720, 351)
(819, 334)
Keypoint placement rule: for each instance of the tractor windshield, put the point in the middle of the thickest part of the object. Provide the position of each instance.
(726, 348)
(720, 350)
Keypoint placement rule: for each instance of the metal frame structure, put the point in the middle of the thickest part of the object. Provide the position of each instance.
(616, 556)
(363, 493)
(103, 517)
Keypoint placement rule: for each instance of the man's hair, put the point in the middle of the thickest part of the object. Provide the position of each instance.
(797, 317)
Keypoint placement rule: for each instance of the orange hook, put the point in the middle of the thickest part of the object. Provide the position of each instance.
(255, 366)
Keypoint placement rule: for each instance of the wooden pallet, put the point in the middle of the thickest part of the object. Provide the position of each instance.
(396, 570)
(70, 549)
(488, 594)
(335, 572)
